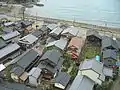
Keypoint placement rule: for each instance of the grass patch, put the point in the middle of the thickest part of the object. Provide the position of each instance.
(74, 71)
(91, 51)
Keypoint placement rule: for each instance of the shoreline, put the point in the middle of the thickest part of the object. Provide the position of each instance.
(74, 23)
(69, 22)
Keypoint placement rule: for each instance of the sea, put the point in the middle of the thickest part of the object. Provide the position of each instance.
(98, 12)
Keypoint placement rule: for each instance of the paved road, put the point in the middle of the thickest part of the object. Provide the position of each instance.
(116, 84)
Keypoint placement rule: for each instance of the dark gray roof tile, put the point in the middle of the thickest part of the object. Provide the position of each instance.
(17, 70)
(27, 59)
(62, 78)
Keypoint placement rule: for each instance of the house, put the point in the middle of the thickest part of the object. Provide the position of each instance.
(28, 41)
(7, 24)
(9, 52)
(70, 32)
(50, 39)
(109, 43)
(38, 33)
(51, 63)
(109, 57)
(82, 83)
(7, 30)
(118, 43)
(62, 80)
(56, 32)
(63, 26)
(12, 36)
(28, 60)
(2, 43)
(93, 70)
(75, 46)
(61, 44)
(34, 75)
(93, 37)
(27, 25)
(16, 73)
(2, 67)
(108, 72)
(44, 28)
(51, 26)
(82, 33)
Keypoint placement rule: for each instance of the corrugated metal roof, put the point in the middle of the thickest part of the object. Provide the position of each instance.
(29, 39)
(56, 31)
(8, 49)
(71, 30)
(82, 83)
(35, 72)
(10, 35)
(62, 78)
(52, 26)
(27, 58)
(76, 42)
(62, 43)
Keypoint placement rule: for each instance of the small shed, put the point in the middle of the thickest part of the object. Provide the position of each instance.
(23, 77)
(34, 75)
(62, 80)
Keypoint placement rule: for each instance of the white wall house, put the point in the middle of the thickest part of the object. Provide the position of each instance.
(93, 70)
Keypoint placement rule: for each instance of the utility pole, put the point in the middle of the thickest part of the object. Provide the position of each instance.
(23, 12)
(73, 20)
